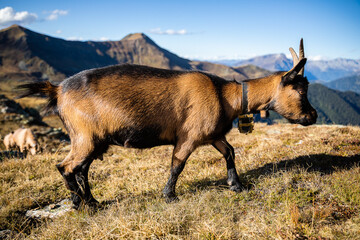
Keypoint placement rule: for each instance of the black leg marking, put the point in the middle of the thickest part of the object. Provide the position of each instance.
(83, 180)
(228, 152)
(180, 155)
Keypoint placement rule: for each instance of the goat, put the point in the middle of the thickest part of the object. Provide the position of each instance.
(137, 106)
(23, 139)
(9, 141)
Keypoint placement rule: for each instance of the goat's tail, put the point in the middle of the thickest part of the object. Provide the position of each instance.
(44, 89)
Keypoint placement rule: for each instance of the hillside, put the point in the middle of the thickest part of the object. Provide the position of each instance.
(351, 83)
(25, 54)
(335, 106)
(300, 183)
(253, 71)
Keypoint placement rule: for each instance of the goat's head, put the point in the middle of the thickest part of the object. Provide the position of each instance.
(34, 148)
(291, 96)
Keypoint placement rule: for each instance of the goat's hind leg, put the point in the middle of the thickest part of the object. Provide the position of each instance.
(83, 180)
(68, 169)
(75, 169)
(82, 176)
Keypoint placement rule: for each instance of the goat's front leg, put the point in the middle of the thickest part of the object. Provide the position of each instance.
(228, 152)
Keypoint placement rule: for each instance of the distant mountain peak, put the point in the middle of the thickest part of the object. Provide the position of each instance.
(135, 36)
(139, 37)
(14, 26)
(15, 31)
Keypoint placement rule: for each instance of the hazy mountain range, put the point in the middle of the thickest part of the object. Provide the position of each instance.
(322, 70)
(26, 55)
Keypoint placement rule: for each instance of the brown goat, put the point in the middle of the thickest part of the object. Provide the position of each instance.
(22, 138)
(141, 107)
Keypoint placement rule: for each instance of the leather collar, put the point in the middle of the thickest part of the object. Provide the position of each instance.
(244, 101)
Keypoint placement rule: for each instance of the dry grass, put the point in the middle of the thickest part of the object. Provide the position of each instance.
(302, 183)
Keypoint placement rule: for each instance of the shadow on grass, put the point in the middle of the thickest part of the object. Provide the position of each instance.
(323, 163)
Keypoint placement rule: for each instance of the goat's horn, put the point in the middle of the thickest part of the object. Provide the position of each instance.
(301, 55)
(301, 50)
(294, 56)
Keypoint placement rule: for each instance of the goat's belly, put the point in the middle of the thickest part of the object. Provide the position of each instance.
(139, 138)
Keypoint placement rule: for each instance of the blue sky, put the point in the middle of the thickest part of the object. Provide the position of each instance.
(204, 29)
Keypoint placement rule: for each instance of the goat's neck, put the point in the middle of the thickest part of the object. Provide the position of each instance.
(261, 92)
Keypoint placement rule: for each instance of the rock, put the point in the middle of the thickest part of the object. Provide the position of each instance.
(52, 210)
(12, 111)
(10, 106)
(273, 131)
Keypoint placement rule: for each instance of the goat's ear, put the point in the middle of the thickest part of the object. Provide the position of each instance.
(290, 75)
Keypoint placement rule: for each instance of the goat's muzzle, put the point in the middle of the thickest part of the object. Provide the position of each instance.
(307, 119)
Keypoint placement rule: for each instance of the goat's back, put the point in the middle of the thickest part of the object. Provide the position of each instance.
(142, 102)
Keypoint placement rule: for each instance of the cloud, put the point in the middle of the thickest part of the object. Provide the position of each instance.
(8, 17)
(56, 13)
(169, 31)
(318, 58)
(75, 39)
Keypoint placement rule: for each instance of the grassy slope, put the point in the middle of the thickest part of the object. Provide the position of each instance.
(301, 182)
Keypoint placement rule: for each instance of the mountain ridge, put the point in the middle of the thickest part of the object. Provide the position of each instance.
(27, 52)
(324, 70)
(29, 56)
(350, 83)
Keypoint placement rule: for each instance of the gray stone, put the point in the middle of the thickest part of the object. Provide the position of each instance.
(52, 211)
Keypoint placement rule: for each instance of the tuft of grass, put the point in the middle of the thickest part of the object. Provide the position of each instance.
(301, 183)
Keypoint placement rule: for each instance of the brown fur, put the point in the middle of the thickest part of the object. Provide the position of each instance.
(137, 106)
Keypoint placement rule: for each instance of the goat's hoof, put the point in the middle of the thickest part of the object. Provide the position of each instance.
(93, 203)
(170, 198)
(237, 188)
(77, 206)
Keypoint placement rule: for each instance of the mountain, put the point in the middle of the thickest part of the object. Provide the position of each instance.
(335, 106)
(315, 70)
(271, 62)
(25, 54)
(253, 71)
(333, 69)
(351, 83)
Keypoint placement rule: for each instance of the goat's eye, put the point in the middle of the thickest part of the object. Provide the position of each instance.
(301, 92)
